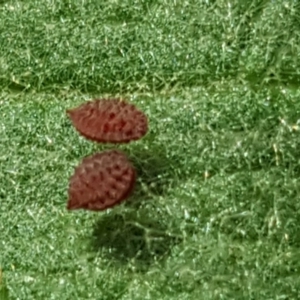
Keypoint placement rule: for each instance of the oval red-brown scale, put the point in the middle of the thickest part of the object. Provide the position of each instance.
(101, 181)
(109, 121)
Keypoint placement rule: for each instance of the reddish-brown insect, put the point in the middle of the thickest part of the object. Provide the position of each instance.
(101, 181)
(109, 121)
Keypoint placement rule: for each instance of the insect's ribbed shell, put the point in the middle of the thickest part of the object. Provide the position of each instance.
(101, 181)
(109, 121)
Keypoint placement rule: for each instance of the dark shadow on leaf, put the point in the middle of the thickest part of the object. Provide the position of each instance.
(128, 238)
(153, 174)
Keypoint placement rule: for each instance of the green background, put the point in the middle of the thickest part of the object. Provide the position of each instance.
(216, 212)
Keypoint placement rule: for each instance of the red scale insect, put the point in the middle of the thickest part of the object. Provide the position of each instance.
(101, 181)
(109, 121)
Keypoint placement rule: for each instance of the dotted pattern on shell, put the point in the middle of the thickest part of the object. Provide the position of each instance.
(101, 181)
(109, 121)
